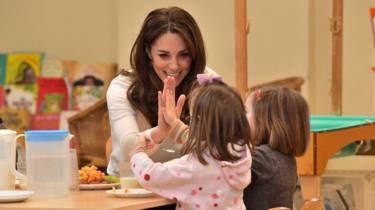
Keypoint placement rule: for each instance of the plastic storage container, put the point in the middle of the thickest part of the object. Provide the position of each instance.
(357, 171)
(47, 162)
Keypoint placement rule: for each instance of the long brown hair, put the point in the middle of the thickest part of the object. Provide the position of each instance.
(142, 93)
(218, 119)
(281, 118)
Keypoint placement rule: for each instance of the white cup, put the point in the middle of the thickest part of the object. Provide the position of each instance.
(8, 171)
(7, 178)
(127, 179)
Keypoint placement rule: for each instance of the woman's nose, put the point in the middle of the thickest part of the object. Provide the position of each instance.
(173, 65)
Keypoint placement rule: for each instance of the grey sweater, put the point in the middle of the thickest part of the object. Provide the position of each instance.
(273, 180)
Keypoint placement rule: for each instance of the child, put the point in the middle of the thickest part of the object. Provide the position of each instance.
(279, 122)
(216, 161)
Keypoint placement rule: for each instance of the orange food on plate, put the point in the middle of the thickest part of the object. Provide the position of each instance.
(91, 175)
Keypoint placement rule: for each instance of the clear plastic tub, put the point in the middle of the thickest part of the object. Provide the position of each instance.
(47, 162)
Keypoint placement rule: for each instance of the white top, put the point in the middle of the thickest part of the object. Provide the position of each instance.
(126, 123)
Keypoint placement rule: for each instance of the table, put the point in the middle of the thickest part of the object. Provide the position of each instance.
(88, 200)
(329, 134)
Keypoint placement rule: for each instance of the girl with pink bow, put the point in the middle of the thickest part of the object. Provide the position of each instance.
(216, 161)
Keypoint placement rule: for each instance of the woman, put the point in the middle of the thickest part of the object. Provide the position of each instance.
(169, 44)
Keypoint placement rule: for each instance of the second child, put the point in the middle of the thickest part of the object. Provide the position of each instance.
(280, 127)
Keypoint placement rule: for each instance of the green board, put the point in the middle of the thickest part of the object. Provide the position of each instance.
(322, 123)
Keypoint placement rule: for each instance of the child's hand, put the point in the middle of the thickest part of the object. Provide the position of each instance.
(142, 144)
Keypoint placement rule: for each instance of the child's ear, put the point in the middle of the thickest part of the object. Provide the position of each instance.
(247, 103)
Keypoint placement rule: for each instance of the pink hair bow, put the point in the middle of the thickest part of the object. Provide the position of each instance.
(205, 79)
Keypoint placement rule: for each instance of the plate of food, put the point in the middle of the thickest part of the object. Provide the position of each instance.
(98, 186)
(90, 178)
(130, 193)
(14, 195)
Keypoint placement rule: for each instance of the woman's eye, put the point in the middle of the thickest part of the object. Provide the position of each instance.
(163, 55)
(184, 55)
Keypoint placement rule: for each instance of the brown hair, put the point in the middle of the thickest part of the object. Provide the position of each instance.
(218, 119)
(281, 118)
(142, 93)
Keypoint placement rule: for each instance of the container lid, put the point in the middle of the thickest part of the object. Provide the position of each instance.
(46, 135)
(7, 131)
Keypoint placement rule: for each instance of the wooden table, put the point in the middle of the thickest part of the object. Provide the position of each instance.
(88, 200)
(321, 147)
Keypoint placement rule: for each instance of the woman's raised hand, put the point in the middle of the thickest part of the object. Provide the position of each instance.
(171, 110)
(168, 111)
(160, 132)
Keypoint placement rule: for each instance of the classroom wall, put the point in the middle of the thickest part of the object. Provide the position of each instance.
(84, 30)
(358, 59)
(278, 41)
(358, 51)
(287, 38)
(319, 57)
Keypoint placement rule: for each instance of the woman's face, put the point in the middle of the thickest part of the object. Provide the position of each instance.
(170, 57)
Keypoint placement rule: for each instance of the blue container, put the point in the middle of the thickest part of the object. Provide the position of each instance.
(46, 135)
(47, 166)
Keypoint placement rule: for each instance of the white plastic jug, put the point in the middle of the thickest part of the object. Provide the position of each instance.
(47, 162)
(8, 159)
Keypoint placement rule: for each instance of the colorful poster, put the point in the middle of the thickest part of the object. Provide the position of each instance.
(52, 95)
(52, 68)
(16, 119)
(2, 97)
(21, 97)
(23, 68)
(88, 82)
(3, 67)
(45, 122)
(85, 96)
(98, 74)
